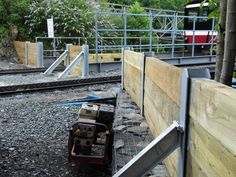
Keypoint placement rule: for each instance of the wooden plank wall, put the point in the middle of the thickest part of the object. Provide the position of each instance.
(74, 50)
(161, 100)
(212, 115)
(133, 75)
(21, 52)
(32, 54)
(212, 136)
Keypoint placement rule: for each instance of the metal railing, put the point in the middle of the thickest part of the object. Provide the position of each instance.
(165, 34)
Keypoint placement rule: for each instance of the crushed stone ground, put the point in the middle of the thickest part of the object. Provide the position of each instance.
(34, 132)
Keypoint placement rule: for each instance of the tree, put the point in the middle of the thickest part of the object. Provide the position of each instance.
(12, 16)
(71, 18)
(220, 40)
(159, 4)
(230, 44)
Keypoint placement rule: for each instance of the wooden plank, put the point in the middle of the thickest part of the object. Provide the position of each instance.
(193, 168)
(162, 102)
(132, 82)
(32, 57)
(133, 75)
(213, 106)
(74, 50)
(105, 57)
(133, 58)
(166, 76)
(20, 50)
(157, 125)
(213, 133)
(211, 156)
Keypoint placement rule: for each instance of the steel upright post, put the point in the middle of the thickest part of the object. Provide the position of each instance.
(40, 54)
(96, 36)
(150, 35)
(212, 35)
(85, 64)
(68, 54)
(193, 41)
(173, 33)
(125, 29)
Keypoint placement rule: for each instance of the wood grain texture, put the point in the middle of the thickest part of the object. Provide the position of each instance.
(74, 50)
(134, 58)
(32, 54)
(211, 148)
(105, 57)
(168, 109)
(157, 124)
(212, 140)
(166, 76)
(132, 82)
(133, 75)
(20, 50)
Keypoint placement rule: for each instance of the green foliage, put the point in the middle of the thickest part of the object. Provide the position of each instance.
(71, 18)
(12, 14)
(137, 22)
(159, 4)
(215, 6)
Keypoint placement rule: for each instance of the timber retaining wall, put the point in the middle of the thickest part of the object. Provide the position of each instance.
(74, 50)
(26, 52)
(211, 150)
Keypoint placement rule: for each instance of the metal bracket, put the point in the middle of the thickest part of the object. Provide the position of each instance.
(155, 152)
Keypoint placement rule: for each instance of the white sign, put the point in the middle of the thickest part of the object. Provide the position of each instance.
(50, 27)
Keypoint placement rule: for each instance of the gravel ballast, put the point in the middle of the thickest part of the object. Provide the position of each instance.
(34, 130)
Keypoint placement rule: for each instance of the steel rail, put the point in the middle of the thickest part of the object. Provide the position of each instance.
(27, 70)
(45, 86)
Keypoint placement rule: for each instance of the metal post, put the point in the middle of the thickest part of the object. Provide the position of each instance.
(122, 68)
(150, 35)
(173, 36)
(79, 41)
(212, 35)
(85, 70)
(140, 43)
(96, 36)
(193, 41)
(68, 54)
(143, 60)
(27, 52)
(125, 30)
(54, 46)
(40, 54)
(183, 114)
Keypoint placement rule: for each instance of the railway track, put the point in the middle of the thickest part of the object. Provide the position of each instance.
(24, 71)
(4, 90)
